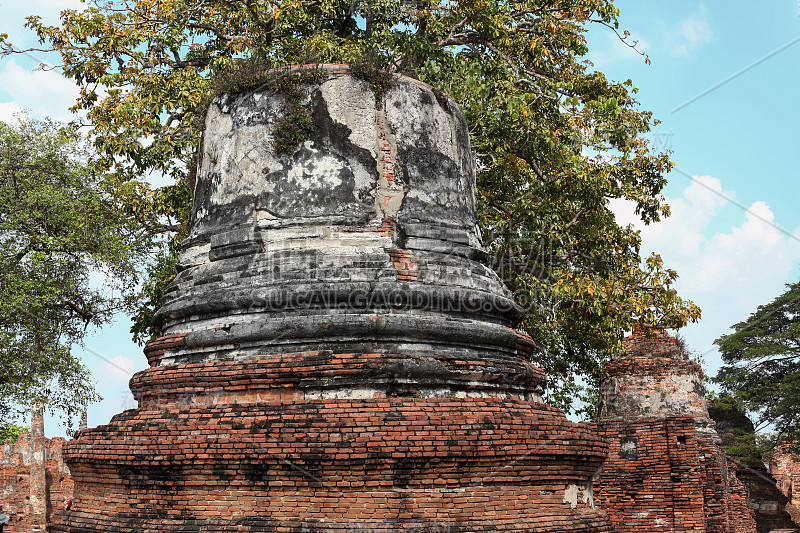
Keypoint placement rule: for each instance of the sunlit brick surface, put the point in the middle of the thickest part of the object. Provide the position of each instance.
(786, 469)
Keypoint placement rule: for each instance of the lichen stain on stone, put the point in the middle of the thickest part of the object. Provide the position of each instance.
(311, 183)
(347, 136)
(237, 141)
(433, 150)
(419, 122)
(352, 104)
(317, 172)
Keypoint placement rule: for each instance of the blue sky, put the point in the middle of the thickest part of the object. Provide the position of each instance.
(723, 80)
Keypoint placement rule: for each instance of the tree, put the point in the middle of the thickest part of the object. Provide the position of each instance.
(738, 434)
(555, 140)
(762, 365)
(68, 259)
(9, 431)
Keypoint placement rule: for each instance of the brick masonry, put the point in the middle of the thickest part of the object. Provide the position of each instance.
(766, 497)
(336, 353)
(785, 468)
(666, 470)
(34, 480)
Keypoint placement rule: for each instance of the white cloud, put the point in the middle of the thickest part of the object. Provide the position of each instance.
(682, 232)
(689, 34)
(11, 113)
(729, 270)
(120, 368)
(740, 258)
(41, 93)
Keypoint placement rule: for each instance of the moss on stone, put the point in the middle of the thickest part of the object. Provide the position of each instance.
(373, 72)
(254, 74)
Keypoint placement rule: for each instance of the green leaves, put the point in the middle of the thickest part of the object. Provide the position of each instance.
(68, 259)
(9, 431)
(762, 364)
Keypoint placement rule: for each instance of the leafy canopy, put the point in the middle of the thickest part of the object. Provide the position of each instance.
(9, 431)
(762, 364)
(739, 438)
(555, 140)
(68, 255)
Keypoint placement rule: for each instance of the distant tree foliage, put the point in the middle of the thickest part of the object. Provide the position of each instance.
(739, 438)
(9, 431)
(762, 365)
(554, 139)
(68, 256)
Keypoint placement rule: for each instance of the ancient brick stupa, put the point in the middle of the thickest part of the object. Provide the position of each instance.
(666, 470)
(336, 355)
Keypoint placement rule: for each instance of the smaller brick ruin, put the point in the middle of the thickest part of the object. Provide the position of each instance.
(785, 468)
(666, 470)
(766, 497)
(34, 481)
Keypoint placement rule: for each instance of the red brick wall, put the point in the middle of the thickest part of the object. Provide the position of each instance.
(420, 464)
(726, 499)
(651, 479)
(652, 378)
(661, 476)
(666, 470)
(657, 344)
(785, 468)
(15, 496)
(59, 481)
(31, 493)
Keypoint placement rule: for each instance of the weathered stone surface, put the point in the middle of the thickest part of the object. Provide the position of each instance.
(666, 470)
(366, 233)
(652, 378)
(336, 354)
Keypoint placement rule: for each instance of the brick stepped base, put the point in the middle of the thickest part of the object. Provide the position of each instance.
(534, 521)
(290, 376)
(394, 464)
